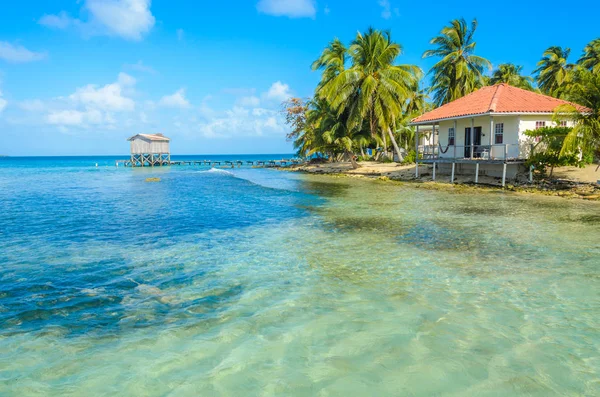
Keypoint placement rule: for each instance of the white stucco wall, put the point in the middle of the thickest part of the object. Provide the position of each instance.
(514, 126)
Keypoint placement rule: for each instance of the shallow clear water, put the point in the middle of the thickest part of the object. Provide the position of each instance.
(259, 282)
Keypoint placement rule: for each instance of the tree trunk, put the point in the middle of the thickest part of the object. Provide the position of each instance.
(350, 156)
(396, 148)
(362, 152)
(384, 143)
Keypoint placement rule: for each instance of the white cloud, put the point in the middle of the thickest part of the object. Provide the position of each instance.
(240, 121)
(18, 54)
(108, 97)
(34, 105)
(139, 66)
(386, 13)
(176, 100)
(180, 34)
(288, 8)
(65, 117)
(279, 92)
(249, 101)
(62, 20)
(3, 102)
(78, 118)
(129, 19)
(326, 10)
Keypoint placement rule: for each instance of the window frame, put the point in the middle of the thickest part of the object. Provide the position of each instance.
(451, 136)
(499, 133)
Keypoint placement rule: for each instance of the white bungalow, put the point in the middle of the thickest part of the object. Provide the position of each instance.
(483, 132)
(149, 150)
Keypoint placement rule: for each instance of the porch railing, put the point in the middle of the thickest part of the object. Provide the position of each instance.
(472, 152)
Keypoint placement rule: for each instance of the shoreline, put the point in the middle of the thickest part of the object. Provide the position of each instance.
(398, 173)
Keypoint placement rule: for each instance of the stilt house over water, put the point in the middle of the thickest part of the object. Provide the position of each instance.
(484, 131)
(149, 150)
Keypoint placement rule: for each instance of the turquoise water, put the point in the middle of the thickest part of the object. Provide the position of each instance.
(260, 282)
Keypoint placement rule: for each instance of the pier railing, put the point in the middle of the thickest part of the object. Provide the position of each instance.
(496, 152)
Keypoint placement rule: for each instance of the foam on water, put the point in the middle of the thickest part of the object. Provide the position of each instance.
(223, 286)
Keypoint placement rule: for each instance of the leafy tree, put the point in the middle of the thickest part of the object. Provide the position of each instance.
(511, 74)
(459, 71)
(554, 72)
(547, 152)
(373, 89)
(591, 56)
(585, 92)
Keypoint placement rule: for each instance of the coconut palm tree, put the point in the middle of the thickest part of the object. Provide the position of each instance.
(511, 74)
(332, 61)
(591, 56)
(553, 74)
(458, 72)
(373, 88)
(584, 91)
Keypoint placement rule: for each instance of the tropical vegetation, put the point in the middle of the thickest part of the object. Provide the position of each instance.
(365, 97)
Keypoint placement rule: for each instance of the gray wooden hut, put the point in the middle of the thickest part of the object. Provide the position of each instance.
(149, 150)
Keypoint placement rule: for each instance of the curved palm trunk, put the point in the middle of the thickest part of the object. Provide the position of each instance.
(396, 148)
(350, 157)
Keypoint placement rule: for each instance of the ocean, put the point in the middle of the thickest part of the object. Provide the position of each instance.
(243, 281)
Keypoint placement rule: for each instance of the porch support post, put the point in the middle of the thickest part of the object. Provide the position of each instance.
(434, 170)
(455, 138)
(417, 153)
(476, 172)
(472, 135)
(504, 175)
(492, 132)
(452, 175)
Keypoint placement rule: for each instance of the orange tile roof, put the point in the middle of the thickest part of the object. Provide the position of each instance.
(499, 98)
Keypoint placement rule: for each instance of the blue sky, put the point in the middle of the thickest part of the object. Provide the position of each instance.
(77, 77)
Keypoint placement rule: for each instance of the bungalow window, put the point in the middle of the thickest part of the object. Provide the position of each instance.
(563, 123)
(538, 125)
(499, 134)
(451, 137)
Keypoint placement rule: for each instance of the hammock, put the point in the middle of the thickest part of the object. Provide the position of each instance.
(443, 151)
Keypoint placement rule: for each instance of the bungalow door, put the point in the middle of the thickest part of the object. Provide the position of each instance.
(476, 142)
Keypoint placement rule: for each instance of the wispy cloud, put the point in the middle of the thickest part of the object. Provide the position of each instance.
(388, 11)
(139, 66)
(129, 19)
(19, 54)
(180, 34)
(3, 102)
(288, 8)
(176, 100)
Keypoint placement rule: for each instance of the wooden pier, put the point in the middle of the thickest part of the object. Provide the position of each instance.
(212, 163)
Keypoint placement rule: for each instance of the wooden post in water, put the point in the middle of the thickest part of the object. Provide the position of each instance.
(504, 175)
(476, 172)
(417, 153)
(433, 178)
(452, 175)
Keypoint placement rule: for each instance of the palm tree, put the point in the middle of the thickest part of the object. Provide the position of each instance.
(459, 72)
(373, 89)
(332, 61)
(591, 56)
(554, 72)
(511, 74)
(584, 91)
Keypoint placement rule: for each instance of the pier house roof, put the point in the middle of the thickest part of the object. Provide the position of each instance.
(151, 137)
